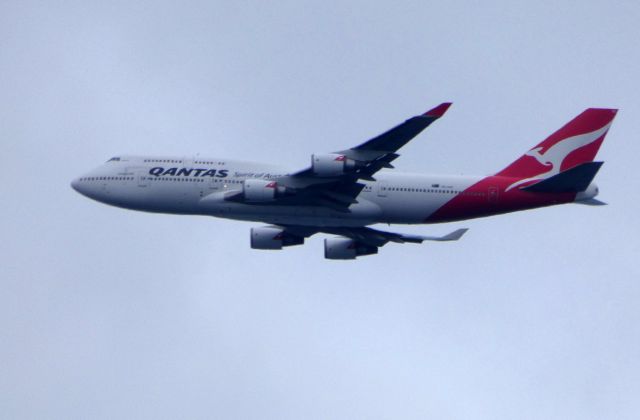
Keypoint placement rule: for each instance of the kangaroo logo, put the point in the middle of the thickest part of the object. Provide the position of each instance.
(553, 157)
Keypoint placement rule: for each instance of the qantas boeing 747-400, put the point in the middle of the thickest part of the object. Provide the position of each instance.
(342, 193)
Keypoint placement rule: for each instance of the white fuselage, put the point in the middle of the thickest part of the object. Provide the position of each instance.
(198, 187)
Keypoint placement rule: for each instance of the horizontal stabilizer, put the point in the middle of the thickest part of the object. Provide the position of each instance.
(576, 179)
(592, 202)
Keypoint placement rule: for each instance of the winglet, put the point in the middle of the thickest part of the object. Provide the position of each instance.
(453, 236)
(438, 111)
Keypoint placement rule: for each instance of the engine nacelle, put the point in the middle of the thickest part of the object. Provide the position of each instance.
(333, 164)
(271, 237)
(261, 190)
(346, 249)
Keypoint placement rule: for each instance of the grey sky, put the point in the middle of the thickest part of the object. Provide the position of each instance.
(107, 313)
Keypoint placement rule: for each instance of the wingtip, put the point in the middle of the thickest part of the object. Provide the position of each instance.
(455, 235)
(438, 111)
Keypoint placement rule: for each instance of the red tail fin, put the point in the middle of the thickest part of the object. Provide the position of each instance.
(575, 143)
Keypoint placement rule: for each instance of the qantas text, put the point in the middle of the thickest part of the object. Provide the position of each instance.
(160, 171)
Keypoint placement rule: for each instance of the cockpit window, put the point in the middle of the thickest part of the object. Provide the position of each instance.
(114, 159)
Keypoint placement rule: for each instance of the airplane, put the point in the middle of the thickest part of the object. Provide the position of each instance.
(345, 192)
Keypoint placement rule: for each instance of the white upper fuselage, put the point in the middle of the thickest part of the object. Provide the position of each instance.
(198, 186)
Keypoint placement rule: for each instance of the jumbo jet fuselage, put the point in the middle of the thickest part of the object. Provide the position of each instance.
(199, 187)
(342, 193)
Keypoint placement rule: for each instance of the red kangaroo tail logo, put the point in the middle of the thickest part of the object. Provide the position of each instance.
(575, 143)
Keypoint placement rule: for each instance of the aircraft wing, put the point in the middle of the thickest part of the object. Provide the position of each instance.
(364, 160)
(378, 238)
(332, 179)
(369, 236)
(394, 139)
(347, 244)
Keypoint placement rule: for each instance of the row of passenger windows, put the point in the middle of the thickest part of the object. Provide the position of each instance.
(207, 162)
(107, 178)
(198, 162)
(163, 160)
(150, 178)
(164, 178)
(437, 191)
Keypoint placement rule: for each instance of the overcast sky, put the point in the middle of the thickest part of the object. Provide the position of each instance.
(107, 313)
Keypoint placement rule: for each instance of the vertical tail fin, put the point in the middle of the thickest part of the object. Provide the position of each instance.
(575, 143)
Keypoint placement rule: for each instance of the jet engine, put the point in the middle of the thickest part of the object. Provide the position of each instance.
(346, 249)
(333, 164)
(272, 237)
(261, 190)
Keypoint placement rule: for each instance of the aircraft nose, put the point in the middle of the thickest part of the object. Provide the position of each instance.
(80, 186)
(75, 184)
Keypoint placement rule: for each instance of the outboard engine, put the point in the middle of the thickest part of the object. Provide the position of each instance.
(346, 249)
(332, 164)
